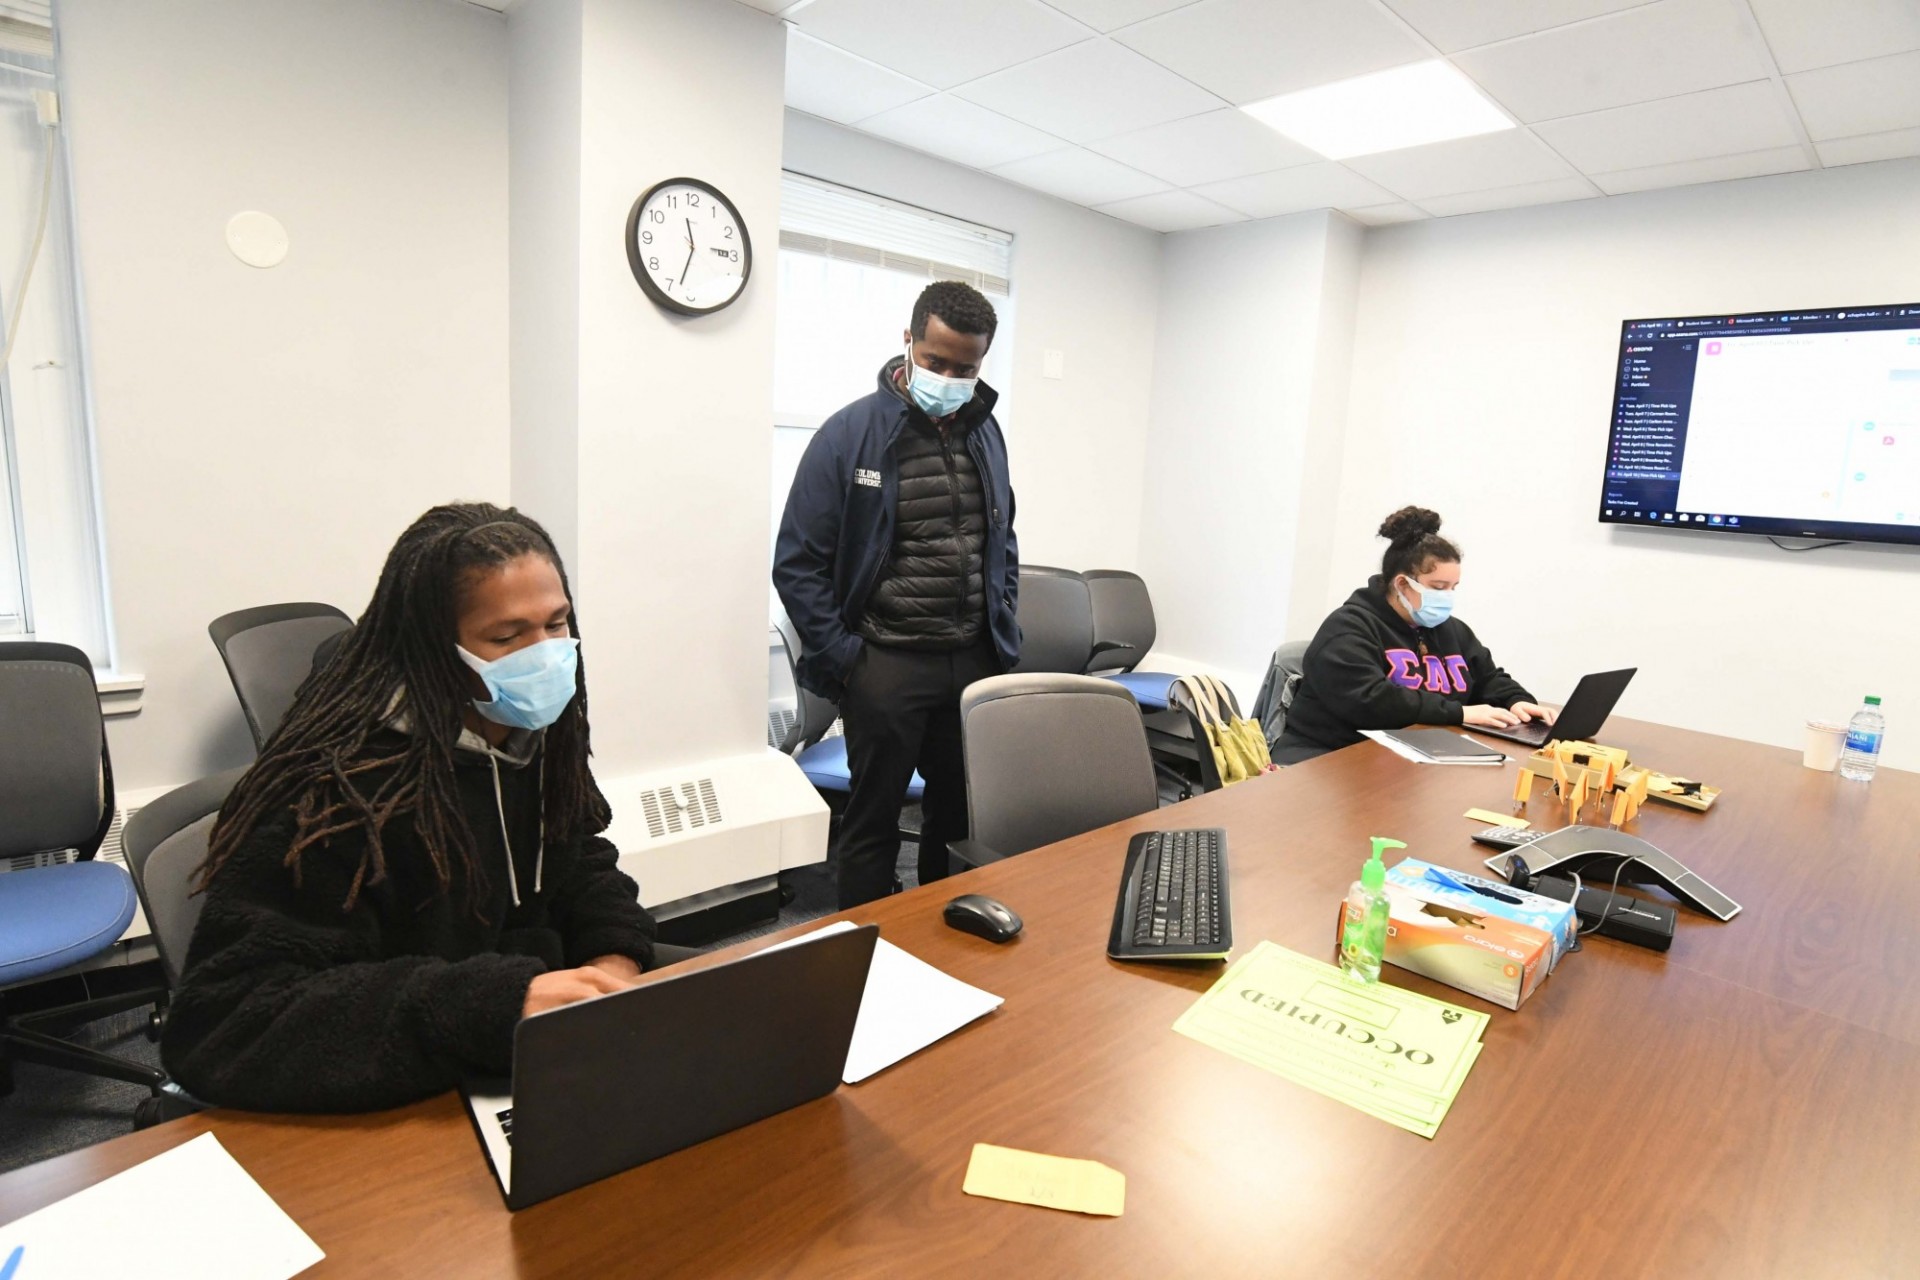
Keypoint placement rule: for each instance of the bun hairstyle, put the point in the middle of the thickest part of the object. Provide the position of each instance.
(1414, 544)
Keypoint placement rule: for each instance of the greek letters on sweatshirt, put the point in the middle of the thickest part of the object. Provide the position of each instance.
(1368, 669)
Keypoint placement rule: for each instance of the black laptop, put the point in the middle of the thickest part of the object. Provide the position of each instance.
(603, 1085)
(1592, 702)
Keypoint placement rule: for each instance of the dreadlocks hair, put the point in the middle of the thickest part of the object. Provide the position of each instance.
(1414, 544)
(961, 307)
(401, 656)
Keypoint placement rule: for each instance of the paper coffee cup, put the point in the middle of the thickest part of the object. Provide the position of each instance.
(1824, 740)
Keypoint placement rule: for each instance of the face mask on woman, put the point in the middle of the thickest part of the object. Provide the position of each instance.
(1435, 606)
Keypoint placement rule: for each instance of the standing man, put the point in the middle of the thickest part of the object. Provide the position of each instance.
(897, 564)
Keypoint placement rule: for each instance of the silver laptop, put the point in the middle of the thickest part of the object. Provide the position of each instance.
(606, 1084)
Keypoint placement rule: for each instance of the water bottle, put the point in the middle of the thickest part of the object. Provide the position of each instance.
(1861, 755)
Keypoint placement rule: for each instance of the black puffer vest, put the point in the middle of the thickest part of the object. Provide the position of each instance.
(932, 595)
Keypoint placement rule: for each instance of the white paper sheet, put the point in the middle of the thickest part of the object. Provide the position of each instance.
(908, 1004)
(186, 1214)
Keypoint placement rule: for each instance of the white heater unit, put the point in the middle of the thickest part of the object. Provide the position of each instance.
(689, 831)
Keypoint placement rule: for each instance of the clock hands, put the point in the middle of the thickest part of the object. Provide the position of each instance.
(683, 270)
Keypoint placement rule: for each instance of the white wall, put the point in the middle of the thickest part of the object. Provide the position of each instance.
(1244, 459)
(1482, 380)
(675, 438)
(1083, 284)
(265, 435)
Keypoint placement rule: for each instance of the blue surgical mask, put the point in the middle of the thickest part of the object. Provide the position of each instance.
(1436, 606)
(937, 396)
(530, 686)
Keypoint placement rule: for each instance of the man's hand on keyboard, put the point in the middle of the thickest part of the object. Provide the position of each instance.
(566, 986)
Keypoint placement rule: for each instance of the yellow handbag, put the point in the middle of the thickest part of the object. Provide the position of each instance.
(1238, 744)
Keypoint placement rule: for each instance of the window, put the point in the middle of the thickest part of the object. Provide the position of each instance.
(851, 265)
(51, 583)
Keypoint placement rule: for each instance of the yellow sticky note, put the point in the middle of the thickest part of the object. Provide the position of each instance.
(1498, 819)
(1052, 1182)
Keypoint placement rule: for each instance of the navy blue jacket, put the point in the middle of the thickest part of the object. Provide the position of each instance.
(837, 531)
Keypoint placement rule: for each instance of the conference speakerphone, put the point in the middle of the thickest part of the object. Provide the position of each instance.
(1595, 853)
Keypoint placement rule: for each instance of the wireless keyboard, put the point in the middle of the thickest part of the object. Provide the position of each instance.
(1173, 902)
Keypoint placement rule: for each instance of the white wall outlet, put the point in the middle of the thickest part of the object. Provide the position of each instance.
(1053, 364)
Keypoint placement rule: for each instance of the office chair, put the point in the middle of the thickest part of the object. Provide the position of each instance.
(56, 795)
(1179, 702)
(269, 651)
(165, 842)
(824, 759)
(1056, 621)
(1049, 756)
(1123, 633)
(1284, 672)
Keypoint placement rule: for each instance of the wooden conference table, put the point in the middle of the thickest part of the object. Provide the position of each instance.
(1743, 1104)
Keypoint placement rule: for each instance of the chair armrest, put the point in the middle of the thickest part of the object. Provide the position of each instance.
(974, 854)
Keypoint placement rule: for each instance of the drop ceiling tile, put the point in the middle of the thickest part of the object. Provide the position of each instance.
(1245, 50)
(1080, 176)
(1873, 146)
(1111, 15)
(1656, 51)
(1171, 211)
(1207, 148)
(829, 82)
(1453, 25)
(1805, 34)
(1325, 185)
(1559, 191)
(1877, 96)
(764, 6)
(1089, 91)
(1719, 169)
(1510, 158)
(1718, 122)
(955, 129)
(942, 42)
(1385, 215)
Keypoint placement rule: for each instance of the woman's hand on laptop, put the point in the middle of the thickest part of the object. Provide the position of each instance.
(618, 966)
(568, 986)
(1533, 711)
(1488, 717)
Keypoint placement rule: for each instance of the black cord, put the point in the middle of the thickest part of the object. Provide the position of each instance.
(1613, 893)
(1818, 546)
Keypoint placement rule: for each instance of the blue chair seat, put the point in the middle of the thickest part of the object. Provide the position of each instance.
(1149, 688)
(825, 764)
(57, 916)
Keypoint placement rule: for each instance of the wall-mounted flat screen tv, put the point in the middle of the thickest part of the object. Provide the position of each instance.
(1801, 424)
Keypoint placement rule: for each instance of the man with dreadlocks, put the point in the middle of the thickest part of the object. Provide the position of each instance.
(415, 861)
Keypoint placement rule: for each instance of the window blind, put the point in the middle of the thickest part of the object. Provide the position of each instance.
(831, 221)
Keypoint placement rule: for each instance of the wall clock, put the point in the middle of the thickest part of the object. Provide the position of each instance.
(688, 247)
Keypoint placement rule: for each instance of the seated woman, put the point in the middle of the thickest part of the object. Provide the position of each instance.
(415, 861)
(1394, 655)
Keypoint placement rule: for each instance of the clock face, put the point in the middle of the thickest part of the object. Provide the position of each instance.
(688, 247)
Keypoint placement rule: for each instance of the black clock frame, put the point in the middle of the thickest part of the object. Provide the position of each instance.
(636, 263)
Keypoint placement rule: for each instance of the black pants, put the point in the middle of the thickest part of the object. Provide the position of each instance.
(901, 712)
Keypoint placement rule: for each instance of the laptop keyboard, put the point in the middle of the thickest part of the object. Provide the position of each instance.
(506, 1124)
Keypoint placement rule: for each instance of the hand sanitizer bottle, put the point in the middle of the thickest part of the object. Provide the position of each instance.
(1363, 933)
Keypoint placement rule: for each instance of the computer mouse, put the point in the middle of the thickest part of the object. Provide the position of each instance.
(983, 917)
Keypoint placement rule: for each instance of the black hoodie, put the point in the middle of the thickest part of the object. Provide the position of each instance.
(1368, 669)
(290, 1003)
